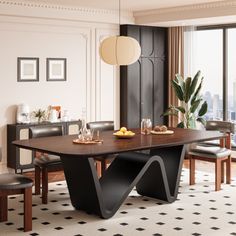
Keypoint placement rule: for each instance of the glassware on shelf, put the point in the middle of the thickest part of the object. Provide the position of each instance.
(146, 126)
(65, 116)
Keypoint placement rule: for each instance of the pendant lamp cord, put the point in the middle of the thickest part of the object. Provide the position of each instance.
(117, 62)
(119, 12)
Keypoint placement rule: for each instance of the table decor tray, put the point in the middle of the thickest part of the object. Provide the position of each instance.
(77, 141)
(162, 132)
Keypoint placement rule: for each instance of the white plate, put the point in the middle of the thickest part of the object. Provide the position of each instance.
(159, 132)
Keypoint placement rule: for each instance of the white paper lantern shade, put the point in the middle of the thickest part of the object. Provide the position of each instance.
(120, 50)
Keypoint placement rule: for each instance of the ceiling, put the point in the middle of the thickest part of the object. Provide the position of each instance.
(130, 5)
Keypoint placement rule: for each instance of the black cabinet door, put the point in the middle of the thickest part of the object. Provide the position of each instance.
(160, 42)
(147, 41)
(159, 91)
(133, 93)
(143, 88)
(147, 87)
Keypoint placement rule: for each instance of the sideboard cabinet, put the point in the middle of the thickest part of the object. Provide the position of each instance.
(19, 158)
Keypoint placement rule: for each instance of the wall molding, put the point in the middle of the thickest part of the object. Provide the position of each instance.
(57, 7)
(49, 10)
(100, 75)
(186, 12)
(186, 8)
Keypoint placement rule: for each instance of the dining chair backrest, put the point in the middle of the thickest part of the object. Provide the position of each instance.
(223, 126)
(45, 131)
(101, 125)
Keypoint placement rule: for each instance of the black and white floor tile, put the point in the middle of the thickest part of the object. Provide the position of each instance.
(199, 210)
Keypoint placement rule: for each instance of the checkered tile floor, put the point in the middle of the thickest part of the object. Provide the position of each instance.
(199, 210)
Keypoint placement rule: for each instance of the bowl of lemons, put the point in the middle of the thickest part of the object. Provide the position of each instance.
(124, 133)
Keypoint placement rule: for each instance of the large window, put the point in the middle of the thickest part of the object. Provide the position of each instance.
(208, 59)
(215, 55)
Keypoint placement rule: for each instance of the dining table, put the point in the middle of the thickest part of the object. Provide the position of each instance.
(150, 163)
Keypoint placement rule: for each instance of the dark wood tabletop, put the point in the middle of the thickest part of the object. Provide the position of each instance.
(63, 145)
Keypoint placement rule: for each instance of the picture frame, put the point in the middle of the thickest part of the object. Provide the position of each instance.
(27, 69)
(56, 69)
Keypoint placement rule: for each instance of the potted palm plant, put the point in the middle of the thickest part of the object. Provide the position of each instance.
(192, 108)
(39, 114)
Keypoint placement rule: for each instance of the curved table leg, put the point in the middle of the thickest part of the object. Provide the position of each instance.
(166, 173)
(156, 175)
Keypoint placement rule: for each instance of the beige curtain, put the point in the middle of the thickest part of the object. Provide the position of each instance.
(175, 64)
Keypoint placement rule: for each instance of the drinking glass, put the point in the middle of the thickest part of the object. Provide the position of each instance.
(89, 134)
(146, 126)
(80, 135)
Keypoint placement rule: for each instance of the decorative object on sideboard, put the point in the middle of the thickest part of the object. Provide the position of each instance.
(56, 69)
(27, 69)
(120, 50)
(23, 114)
(65, 116)
(40, 115)
(192, 107)
(58, 109)
(53, 115)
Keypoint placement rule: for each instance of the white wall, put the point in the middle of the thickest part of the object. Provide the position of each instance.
(90, 82)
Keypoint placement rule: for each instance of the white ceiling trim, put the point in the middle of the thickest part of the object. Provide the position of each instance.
(186, 15)
(34, 9)
(188, 12)
(200, 6)
(57, 7)
(164, 16)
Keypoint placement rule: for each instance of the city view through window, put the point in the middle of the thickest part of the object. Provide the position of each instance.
(208, 57)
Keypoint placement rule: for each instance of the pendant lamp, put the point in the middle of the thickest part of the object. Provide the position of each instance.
(120, 50)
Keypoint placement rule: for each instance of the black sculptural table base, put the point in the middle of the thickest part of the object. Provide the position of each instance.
(156, 175)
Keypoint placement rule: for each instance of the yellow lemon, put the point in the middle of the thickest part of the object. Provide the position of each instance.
(123, 129)
(119, 133)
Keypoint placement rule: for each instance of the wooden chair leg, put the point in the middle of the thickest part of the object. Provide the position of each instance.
(228, 170)
(217, 174)
(191, 170)
(103, 165)
(28, 209)
(37, 175)
(44, 186)
(222, 172)
(99, 168)
(3, 208)
(107, 163)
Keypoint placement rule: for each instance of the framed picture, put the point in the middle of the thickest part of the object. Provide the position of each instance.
(27, 69)
(56, 69)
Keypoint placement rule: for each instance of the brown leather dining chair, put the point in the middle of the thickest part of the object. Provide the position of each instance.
(11, 184)
(44, 162)
(103, 161)
(219, 153)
